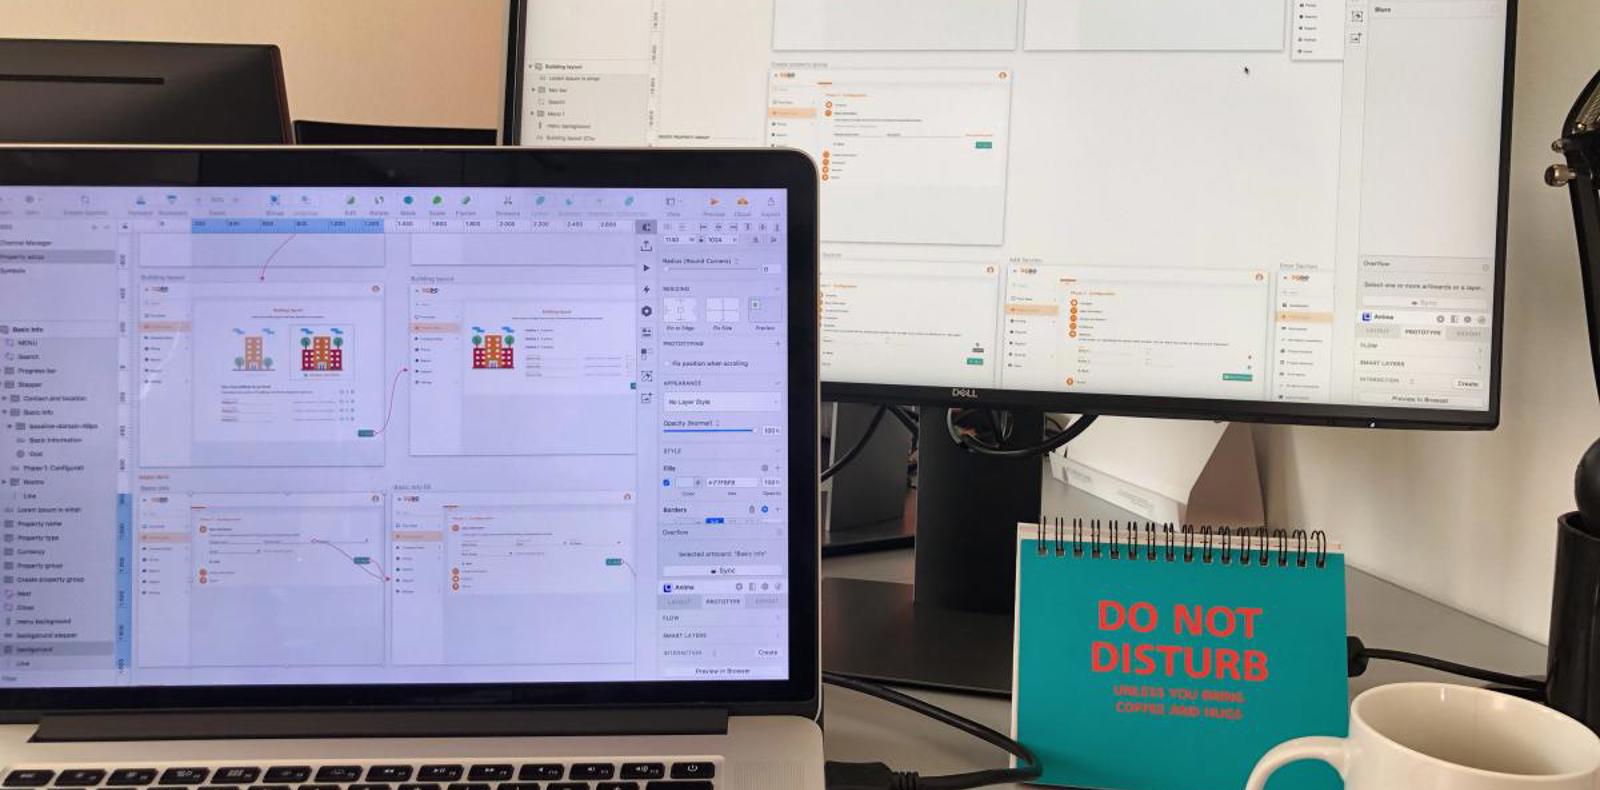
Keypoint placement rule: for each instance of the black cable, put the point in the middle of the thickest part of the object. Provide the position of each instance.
(900, 413)
(1002, 431)
(861, 444)
(1359, 654)
(906, 418)
(876, 776)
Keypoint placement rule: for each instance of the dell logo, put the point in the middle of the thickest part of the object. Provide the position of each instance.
(962, 392)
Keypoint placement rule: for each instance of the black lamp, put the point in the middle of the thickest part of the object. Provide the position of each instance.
(1573, 685)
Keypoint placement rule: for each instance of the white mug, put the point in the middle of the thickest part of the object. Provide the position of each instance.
(1437, 736)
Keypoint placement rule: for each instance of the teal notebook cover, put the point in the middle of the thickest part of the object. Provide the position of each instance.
(1257, 656)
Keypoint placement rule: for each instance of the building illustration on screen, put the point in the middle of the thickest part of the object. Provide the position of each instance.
(493, 350)
(253, 356)
(322, 352)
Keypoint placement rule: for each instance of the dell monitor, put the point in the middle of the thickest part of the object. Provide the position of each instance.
(1285, 211)
(55, 91)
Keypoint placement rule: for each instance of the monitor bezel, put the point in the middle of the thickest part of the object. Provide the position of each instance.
(516, 42)
(494, 167)
(1263, 411)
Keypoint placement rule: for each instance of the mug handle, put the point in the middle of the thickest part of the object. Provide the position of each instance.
(1333, 751)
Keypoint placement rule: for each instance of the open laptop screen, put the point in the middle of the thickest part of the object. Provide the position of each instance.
(393, 435)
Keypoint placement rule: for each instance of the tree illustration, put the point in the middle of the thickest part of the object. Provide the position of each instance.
(238, 362)
(305, 342)
(510, 339)
(267, 362)
(338, 342)
(477, 340)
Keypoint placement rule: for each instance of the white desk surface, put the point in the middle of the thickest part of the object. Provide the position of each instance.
(859, 728)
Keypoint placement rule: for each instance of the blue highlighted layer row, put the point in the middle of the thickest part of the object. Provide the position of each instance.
(287, 225)
(123, 607)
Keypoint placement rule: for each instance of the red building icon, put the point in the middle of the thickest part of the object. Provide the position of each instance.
(321, 354)
(493, 354)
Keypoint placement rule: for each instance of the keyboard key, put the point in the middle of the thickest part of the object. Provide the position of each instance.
(371, 786)
(339, 773)
(80, 777)
(219, 787)
(470, 786)
(236, 776)
(270, 787)
(491, 773)
(568, 786)
(421, 786)
(319, 787)
(184, 776)
(29, 778)
(693, 784)
(617, 786)
(440, 773)
(389, 773)
(542, 771)
(293, 774)
(593, 770)
(644, 771)
(694, 770)
(132, 776)
(517, 786)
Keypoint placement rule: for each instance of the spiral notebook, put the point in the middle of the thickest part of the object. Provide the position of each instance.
(1155, 658)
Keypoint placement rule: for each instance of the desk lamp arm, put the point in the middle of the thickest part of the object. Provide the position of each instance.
(1580, 146)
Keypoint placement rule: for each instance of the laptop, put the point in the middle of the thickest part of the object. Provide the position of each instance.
(408, 469)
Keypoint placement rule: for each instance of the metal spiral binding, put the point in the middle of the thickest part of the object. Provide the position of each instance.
(1258, 546)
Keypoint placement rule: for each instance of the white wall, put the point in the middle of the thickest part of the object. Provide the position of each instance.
(1469, 519)
(413, 62)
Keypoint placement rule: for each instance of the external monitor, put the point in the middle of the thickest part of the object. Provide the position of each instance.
(463, 427)
(1270, 210)
(1279, 210)
(55, 91)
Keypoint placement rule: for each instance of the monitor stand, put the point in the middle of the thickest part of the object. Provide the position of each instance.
(952, 629)
(867, 502)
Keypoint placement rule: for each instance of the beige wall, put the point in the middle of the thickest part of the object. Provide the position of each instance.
(418, 62)
(1469, 518)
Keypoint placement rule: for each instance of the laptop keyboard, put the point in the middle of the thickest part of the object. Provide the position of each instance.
(586, 774)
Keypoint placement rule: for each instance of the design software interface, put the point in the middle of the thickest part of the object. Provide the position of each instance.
(253, 436)
(1269, 200)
